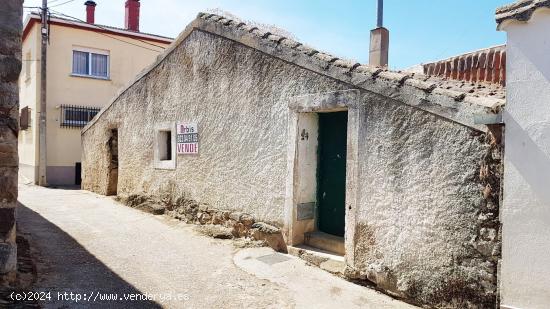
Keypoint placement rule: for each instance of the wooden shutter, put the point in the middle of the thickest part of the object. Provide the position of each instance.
(24, 118)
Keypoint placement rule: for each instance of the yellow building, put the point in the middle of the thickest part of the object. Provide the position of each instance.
(86, 65)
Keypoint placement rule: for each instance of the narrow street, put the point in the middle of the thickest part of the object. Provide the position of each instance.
(94, 247)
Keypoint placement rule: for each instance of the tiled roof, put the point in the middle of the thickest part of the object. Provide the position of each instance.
(454, 100)
(427, 83)
(483, 69)
(520, 10)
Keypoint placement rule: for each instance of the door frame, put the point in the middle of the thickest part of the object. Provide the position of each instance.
(301, 181)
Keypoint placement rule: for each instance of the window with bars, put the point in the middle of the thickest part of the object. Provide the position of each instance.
(73, 116)
(90, 64)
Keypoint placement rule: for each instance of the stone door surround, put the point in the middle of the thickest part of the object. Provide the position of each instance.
(301, 184)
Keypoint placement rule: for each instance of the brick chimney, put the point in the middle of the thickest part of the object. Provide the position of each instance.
(131, 20)
(90, 11)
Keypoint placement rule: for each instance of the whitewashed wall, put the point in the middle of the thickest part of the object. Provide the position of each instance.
(525, 269)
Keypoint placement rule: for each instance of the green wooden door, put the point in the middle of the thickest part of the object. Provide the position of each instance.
(331, 172)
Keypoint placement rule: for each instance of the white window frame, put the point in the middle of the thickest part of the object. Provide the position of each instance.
(91, 51)
(164, 164)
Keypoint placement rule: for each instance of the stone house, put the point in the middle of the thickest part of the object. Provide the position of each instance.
(399, 172)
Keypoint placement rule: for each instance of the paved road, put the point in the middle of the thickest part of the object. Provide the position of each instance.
(95, 248)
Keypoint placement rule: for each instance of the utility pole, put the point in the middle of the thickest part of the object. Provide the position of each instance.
(42, 180)
(379, 40)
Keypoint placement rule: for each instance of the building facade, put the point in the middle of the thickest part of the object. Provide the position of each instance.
(10, 65)
(86, 65)
(392, 165)
(525, 279)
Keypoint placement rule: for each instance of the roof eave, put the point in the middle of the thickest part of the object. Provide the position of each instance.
(453, 105)
(520, 11)
(93, 27)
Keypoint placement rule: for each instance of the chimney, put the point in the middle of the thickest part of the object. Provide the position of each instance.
(379, 40)
(90, 11)
(131, 20)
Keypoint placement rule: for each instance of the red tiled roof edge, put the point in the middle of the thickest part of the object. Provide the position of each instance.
(482, 66)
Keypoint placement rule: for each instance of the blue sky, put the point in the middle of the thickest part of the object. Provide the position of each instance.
(420, 30)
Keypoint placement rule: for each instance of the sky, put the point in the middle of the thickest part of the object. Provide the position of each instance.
(421, 31)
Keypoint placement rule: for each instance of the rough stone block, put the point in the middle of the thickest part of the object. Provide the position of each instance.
(11, 41)
(217, 218)
(203, 207)
(9, 96)
(489, 234)
(9, 68)
(8, 258)
(247, 220)
(8, 151)
(216, 231)
(7, 222)
(239, 230)
(204, 218)
(271, 235)
(8, 189)
(235, 216)
(485, 247)
(151, 207)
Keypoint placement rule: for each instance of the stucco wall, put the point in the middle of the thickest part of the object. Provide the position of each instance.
(423, 228)
(420, 192)
(29, 96)
(239, 99)
(526, 210)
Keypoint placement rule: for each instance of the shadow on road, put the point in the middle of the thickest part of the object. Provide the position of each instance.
(64, 187)
(65, 267)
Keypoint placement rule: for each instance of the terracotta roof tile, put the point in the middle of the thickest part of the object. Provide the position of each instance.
(520, 10)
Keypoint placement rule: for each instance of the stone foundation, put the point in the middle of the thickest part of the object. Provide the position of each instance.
(26, 277)
(238, 224)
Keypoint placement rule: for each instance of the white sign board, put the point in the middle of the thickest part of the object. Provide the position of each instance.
(187, 138)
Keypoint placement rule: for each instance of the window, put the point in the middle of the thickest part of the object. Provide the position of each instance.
(164, 151)
(91, 64)
(165, 146)
(76, 116)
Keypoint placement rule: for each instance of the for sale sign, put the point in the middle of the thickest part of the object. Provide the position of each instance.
(187, 138)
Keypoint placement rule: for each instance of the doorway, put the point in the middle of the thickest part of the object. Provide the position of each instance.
(112, 188)
(331, 173)
(321, 196)
(78, 173)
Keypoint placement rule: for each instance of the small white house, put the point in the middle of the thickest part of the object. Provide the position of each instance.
(525, 216)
